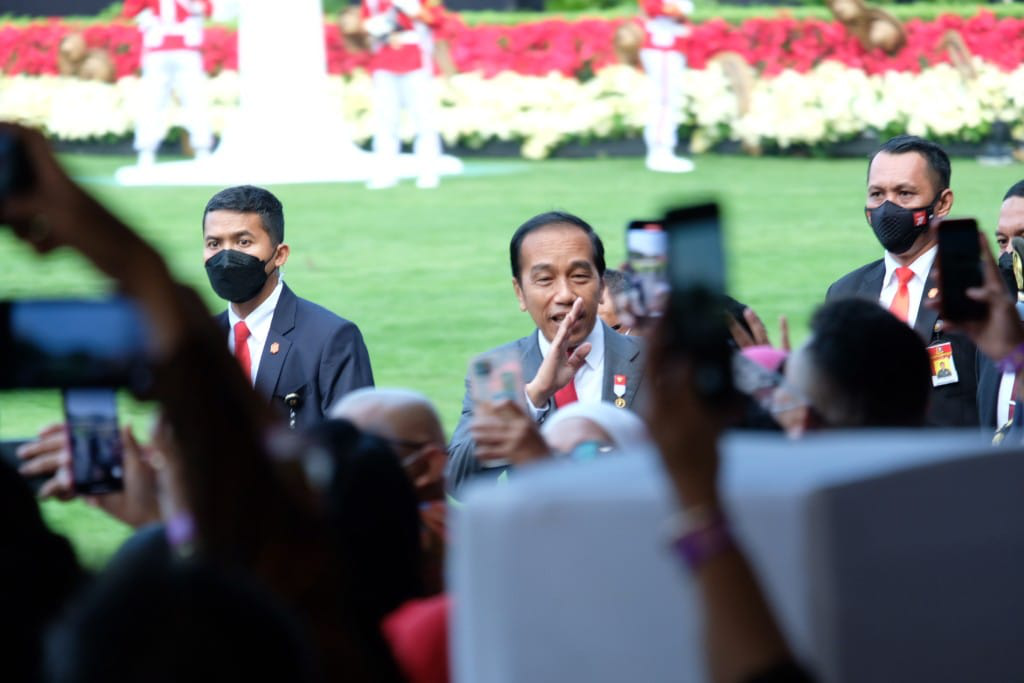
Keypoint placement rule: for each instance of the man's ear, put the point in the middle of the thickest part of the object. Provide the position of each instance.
(945, 203)
(436, 458)
(519, 294)
(281, 257)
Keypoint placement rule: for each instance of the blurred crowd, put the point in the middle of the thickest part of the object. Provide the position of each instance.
(291, 518)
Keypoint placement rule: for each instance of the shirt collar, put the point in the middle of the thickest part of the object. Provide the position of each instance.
(261, 312)
(921, 266)
(595, 339)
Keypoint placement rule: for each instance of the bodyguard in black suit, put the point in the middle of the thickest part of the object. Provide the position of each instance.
(908, 186)
(299, 355)
(557, 266)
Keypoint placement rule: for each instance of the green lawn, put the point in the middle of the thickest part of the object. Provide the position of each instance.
(425, 274)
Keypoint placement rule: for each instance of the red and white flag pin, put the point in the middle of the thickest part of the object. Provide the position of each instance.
(619, 389)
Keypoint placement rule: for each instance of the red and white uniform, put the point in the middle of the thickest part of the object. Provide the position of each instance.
(172, 35)
(663, 60)
(402, 67)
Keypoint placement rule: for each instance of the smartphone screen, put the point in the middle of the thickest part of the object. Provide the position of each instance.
(697, 303)
(647, 253)
(960, 268)
(96, 448)
(71, 343)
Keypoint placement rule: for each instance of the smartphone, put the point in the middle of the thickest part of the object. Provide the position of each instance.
(960, 269)
(497, 376)
(696, 312)
(9, 455)
(96, 447)
(647, 256)
(62, 343)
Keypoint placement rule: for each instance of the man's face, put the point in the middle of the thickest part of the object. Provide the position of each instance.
(904, 180)
(242, 232)
(1011, 222)
(557, 266)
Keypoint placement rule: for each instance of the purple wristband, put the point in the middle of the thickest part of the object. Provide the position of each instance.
(1014, 362)
(703, 538)
(180, 530)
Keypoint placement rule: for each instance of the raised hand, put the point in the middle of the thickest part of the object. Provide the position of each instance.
(559, 367)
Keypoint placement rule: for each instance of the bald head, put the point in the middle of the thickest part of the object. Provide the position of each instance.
(398, 414)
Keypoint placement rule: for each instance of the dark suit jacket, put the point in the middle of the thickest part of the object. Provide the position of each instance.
(952, 405)
(319, 356)
(622, 356)
(989, 379)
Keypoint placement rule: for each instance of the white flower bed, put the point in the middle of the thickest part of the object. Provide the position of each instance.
(828, 104)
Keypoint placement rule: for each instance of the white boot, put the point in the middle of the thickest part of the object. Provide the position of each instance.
(428, 181)
(147, 157)
(664, 161)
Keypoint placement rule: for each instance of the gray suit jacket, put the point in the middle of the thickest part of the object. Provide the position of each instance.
(622, 356)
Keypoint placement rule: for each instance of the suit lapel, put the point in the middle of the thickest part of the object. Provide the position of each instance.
(926, 317)
(871, 285)
(621, 357)
(276, 349)
(530, 350)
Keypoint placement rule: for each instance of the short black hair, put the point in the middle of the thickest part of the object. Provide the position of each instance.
(251, 199)
(1016, 190)
(554, 218)
(938, 160)
(876, 366)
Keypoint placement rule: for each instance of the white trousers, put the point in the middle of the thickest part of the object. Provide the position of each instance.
(172, 71)
(665, 69)
(413, 92)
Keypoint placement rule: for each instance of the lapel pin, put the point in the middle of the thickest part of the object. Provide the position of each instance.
(938, 326)
(933, 292)
(619, 389)
(274, 348)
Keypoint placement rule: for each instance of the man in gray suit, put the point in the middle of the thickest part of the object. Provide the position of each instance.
(557, 273)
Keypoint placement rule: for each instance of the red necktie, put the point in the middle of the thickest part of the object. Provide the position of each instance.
(566, 394)
(242, 348)
(900, 306)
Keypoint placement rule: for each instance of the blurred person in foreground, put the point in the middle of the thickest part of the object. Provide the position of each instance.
(409, 423)
(232, 504)
(908, 187)
(373, 512)
(299, 355)
(860, 367)
(557, 263)
(743, 641)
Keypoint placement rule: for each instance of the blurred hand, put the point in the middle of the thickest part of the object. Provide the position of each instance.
(503, 431)
(49, 455)
(1001, 331)
(139, 502)
(558, 368)
(42, 214)
(758, 335)
(685, 429)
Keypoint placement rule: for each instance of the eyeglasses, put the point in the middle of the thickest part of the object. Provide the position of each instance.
(589, 450)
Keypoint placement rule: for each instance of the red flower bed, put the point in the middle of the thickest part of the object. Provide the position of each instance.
(570, 48)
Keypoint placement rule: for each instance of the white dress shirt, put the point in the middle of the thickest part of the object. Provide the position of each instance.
(589, 378)
(258, 323)
(1004, 397)
(915, 287)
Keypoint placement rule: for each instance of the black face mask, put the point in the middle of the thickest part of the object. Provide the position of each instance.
(897, 228)
(235, 275)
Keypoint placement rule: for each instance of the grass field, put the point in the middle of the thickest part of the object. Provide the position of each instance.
(425, 274)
